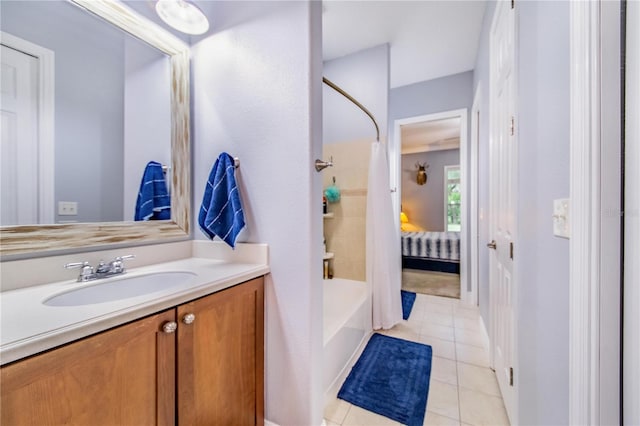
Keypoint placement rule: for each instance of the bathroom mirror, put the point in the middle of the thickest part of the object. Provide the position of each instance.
(44, 238)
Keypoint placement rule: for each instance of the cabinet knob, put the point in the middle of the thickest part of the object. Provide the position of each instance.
(170, 327)
(188, 318)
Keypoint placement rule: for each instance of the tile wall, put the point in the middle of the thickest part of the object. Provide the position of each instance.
(345, 232)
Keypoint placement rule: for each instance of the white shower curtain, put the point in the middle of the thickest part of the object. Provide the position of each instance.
(383, 246)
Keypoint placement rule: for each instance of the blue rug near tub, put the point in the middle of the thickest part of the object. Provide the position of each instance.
(391, 378)
(407, 303)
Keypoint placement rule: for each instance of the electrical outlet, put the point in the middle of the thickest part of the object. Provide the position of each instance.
(561, 221)
(67, 208)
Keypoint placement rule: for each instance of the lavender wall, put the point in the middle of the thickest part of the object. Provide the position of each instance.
(257, 95)
(424, 204)
(543, 175)
(147, 112)
(365, 76)
(428, 97)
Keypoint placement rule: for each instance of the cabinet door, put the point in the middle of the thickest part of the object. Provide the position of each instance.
(124, 376)
(221, 358)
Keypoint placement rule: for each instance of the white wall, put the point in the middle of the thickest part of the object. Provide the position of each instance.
(424, 204)
(365, 76)
(257, 95)
(543, 175)
(147, 113)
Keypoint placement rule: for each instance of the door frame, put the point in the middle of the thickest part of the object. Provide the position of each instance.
(46, 121)
(395, 152)
(594, 298)
(474, 179)
(631, 319)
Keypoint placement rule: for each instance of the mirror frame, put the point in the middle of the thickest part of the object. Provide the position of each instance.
(41, 240)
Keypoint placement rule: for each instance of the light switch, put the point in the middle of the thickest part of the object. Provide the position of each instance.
(67, 208)
(561, 223)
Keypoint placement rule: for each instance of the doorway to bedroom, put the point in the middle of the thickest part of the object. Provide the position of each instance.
(432, 151)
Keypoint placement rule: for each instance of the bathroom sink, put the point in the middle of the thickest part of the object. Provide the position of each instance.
(120, 288)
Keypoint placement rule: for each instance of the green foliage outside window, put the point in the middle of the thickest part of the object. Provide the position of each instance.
(453, 198)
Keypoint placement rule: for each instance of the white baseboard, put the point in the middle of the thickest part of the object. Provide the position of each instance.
(483, 333)
(268, 423)
(466, 297)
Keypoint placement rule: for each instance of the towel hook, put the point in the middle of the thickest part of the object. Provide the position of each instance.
(321, 165)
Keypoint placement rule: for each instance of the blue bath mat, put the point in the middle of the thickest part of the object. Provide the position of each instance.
(407, 303)
(391, 378)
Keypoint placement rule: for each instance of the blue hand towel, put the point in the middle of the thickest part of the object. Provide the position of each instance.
(153, 201)
(221, 211)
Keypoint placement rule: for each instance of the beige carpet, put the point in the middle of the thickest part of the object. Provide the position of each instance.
(433, 283)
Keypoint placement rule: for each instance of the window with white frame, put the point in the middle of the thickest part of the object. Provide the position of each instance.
(452, 198)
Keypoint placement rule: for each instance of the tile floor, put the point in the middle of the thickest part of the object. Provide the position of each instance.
(463, 390)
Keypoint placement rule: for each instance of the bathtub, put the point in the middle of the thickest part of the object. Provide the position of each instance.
(347, 325)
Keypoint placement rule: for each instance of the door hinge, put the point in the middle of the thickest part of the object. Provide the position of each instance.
(513, 125)
(513, 4)
(510, 376)
(511, 250)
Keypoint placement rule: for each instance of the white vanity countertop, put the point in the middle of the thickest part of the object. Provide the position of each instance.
(28, 326)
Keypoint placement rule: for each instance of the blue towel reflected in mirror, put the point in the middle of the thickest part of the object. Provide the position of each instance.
(153, 201)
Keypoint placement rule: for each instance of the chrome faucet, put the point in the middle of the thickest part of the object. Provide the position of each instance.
(102, 269)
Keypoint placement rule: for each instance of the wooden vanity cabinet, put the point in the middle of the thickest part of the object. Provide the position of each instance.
(122, 376)
(210, 371)
(221, 358)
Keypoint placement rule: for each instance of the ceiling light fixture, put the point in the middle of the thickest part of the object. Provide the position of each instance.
(183, 16)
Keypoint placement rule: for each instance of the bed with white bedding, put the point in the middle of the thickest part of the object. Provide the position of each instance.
(431, 251)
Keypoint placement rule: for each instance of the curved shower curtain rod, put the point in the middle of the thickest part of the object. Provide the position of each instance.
(352, 99)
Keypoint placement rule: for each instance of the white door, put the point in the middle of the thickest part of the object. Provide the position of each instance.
(19, 144)
(502, 197)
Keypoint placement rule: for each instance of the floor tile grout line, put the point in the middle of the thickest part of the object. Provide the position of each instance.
(441, 415)
(346, 414)
(475, 365)
(479, 391)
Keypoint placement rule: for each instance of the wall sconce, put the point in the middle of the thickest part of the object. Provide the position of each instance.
(421, 177)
